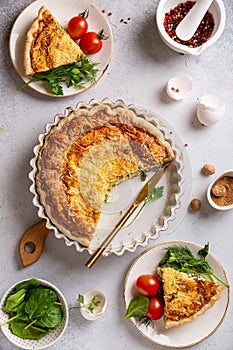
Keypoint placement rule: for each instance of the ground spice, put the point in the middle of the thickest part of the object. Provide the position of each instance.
(175, 16)
(227, 196)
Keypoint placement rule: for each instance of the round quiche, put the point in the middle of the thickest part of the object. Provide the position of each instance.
(86, 154)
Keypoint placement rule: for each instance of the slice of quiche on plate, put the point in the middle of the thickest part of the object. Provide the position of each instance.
(195, 304)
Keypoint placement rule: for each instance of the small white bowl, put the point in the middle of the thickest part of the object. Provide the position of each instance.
(210, 200)
(99, 310)
(47, 340)
(217, 9)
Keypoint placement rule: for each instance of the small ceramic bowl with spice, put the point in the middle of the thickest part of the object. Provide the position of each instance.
(220, 191)
(171, 12)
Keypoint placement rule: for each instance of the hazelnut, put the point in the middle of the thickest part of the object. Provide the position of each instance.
(208, 169)
(195, 204)
(218, 190)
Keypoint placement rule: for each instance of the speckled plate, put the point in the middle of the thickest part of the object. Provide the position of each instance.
(163, 214)
(44, 342)
(63, 11)
(188, 334)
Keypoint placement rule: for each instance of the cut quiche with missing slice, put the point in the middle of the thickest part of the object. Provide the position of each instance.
(48, 45)
(186, 296)
(84, 155)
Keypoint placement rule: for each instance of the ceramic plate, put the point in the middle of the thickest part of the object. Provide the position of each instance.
(44, 342)
(163, 214)
(62, 10)
(186, 335)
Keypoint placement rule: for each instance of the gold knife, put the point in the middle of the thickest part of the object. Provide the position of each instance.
(147, 188)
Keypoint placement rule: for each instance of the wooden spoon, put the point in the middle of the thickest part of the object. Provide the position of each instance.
(32, 242)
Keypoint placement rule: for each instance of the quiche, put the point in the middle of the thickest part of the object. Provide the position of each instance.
(186, 296)
(88, 152)
(48, 45)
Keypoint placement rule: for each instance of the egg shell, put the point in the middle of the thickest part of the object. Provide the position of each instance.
(178, 87)
(99, 310)
(210, 110)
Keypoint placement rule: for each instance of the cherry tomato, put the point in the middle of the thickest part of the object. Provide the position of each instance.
(77, 26)
(147, 285)
(91, 42)
(155, 308)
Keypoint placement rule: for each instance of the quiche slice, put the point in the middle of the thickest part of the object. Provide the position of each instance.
(48, 45)
(186, 296)
(87, 153)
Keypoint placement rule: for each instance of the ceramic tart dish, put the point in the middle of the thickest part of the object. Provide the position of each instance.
(84, 175)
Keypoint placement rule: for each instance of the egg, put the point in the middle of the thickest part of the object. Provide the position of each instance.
(178, 87)
(98, 309)
(210, 110)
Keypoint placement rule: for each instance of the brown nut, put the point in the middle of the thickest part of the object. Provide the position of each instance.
(195, 204)
(218, 190)
(208, 169)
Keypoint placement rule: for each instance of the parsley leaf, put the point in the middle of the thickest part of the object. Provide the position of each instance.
(75, 74)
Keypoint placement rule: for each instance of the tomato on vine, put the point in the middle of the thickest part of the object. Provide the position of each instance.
(77, 26)
(91, 42)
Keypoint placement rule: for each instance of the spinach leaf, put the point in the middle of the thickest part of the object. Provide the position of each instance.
(40, 302)
(28, 284)
(52, 319)
(14, 300)
(18, 328)
(138, 307)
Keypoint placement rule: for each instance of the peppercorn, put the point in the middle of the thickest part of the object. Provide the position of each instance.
(176, 15)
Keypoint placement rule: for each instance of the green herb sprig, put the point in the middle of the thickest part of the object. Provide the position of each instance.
(181, 258)
(156, 193)
(75, 74)
(90, 306)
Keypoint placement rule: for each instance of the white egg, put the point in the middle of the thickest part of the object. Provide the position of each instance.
(178, 87)
(210, 110)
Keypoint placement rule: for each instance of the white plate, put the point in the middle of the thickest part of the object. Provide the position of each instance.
(163, 214)
(63, 10)
(186, 335)
(44, 342)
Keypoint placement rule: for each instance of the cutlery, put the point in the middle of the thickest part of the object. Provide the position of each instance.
(147, 188)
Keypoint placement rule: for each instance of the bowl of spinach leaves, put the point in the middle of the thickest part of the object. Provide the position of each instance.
(33, 314)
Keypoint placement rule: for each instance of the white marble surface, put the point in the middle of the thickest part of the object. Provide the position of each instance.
(139, 71)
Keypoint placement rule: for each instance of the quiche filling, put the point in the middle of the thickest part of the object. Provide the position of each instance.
(48, 45)
(85, 155)
(186, 296)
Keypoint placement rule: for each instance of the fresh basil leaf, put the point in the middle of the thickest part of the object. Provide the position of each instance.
(138, 307)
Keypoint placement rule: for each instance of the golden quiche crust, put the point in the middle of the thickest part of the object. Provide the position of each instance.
(186, 297)
(48, 45)
(85, 155)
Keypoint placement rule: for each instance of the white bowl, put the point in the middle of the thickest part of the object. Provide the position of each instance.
(217, 9)
(210, 200)
(47, 340)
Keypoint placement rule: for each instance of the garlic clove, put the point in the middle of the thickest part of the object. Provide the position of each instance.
(178, 87)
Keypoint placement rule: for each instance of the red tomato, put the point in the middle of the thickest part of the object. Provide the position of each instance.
(77, 26)
(147, 285)
(91, 42)
(155, 308)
